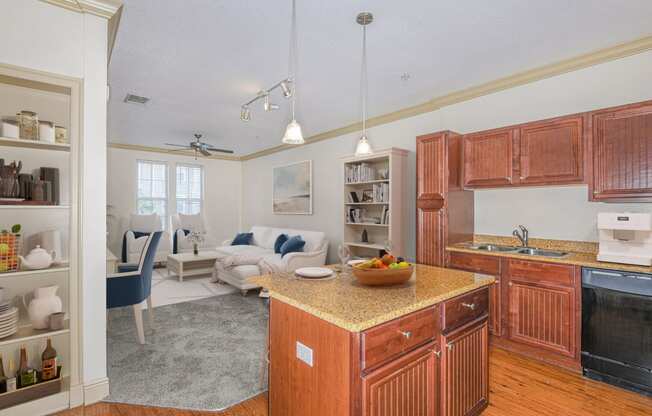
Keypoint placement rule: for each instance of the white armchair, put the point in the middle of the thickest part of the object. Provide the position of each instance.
(140, 226)
(182, 223)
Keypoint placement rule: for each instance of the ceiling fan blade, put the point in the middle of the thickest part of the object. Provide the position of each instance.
(177, 145)
(204, 152)
(185, 149)
(215, 149)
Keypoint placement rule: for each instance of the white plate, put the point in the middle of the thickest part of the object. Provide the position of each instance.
(313, 272)
(354, 262)
(9, 332)
(9, 314)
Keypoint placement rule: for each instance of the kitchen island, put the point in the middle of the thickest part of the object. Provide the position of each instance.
(338, 348)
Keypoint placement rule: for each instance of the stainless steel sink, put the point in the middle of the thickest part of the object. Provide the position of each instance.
(493, 247)
(541, 252)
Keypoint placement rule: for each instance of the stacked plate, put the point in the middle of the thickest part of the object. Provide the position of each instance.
(8, 320)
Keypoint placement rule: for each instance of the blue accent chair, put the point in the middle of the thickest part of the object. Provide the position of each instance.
(133, 284)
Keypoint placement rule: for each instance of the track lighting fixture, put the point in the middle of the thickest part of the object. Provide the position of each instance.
(286, 89)
(245, 113)
(269, 106)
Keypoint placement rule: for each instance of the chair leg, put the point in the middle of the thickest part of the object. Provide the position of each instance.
(243, 292)
(138, 316)
(150, 312)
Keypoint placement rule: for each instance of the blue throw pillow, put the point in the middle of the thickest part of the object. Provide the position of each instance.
(293, 245)
(282, 238)
(242, 239)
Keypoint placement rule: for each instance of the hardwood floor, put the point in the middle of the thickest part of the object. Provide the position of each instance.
(518, 386)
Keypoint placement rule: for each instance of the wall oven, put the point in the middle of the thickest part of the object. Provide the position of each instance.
(617, 328)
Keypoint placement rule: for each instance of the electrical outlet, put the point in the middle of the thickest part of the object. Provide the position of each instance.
(304, 353)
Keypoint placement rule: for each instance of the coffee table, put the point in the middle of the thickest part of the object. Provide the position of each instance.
(189, 264)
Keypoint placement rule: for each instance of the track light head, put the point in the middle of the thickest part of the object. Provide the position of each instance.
(245, 113)
(286, 88)
(269, 106)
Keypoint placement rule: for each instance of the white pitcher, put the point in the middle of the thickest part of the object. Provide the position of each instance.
(45, 303)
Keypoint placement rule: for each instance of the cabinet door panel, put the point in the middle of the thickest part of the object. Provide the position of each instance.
(542, 316)
(488, 158)
(551, 151)
(465, 383)
(495, 309)
(430, 231)
(431, 167)
(622, 152)
(406, 387)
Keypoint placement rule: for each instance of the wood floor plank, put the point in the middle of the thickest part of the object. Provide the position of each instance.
(518, 386)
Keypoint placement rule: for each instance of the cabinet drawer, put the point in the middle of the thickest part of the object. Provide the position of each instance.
(391, 339)
(475, 263)
(466, 308)
(537, 272)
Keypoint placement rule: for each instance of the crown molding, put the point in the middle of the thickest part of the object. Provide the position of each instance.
(521, 78)
(152, 149)
(101, 8)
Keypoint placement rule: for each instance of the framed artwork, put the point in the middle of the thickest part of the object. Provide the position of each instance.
(293, 189)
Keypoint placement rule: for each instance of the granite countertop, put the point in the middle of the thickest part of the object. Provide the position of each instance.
(577, 258)
(343, 302)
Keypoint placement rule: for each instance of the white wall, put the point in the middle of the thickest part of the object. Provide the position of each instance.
(559, 212)
(222, 187)
(41, 36)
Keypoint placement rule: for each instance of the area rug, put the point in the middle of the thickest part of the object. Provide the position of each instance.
(167, 289)
(201, 355)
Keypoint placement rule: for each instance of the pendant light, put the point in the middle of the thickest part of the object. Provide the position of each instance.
(293, 134)
(364, 147)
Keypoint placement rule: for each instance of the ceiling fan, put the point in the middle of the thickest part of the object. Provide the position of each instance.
(199, 147)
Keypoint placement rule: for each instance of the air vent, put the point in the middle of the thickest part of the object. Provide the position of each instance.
(135, 99)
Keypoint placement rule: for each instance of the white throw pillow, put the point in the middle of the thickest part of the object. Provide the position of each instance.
(192, 222)
(145, 223)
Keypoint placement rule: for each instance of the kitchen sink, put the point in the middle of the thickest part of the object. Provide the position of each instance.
(493, 247)
(541, 252)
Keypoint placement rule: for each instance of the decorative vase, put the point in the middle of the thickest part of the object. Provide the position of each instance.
(195, 249)
(45, 303)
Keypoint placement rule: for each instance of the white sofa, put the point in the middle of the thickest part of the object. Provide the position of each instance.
(313, 254)
(194, 223)
(146, 224)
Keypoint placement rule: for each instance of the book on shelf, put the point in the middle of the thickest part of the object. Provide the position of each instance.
(384, 218)
(381, 192)
(353, 197)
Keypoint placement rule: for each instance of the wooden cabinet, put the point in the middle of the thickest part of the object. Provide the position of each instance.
(551, 151)
(622, 153)
(543, 307)
(444, 211)
(408, 386)
(488, 265)
(465, 384)
(488, 158)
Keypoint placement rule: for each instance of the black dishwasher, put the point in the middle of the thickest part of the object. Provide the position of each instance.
(617, 328)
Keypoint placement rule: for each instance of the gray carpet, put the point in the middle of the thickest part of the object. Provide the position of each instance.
(203, 355)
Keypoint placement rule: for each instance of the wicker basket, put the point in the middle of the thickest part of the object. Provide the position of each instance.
(10, 246)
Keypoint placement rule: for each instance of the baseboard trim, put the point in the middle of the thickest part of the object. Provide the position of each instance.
(96, 391)
(76, 395)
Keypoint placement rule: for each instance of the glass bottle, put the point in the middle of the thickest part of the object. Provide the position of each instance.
(3, 377)
(11, 380)
(49, 362)
(26, 375)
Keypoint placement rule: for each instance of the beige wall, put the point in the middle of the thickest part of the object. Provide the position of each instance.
(222, 187)
(560, 212)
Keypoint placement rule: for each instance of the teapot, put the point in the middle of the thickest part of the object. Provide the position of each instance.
(38, 258)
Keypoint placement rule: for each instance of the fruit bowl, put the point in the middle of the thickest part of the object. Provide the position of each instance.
(383, 277)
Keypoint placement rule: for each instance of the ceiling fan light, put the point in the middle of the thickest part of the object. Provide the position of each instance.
(245, 113)
(286, 89)
(293, 134)
(363, 147)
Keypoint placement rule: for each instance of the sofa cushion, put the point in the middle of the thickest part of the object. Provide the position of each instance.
(242, 239)
(282, 238)
(266, 236)
(294, 244)
(245, 250)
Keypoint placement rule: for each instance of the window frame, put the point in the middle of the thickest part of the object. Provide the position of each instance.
(201, 186)
(166, 200)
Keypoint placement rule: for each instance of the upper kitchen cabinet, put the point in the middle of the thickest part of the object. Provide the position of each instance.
(488, 158)
(551, 151)
(622, 153)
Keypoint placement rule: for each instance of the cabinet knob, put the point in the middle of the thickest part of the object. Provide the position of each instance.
(437, 353)
(469, 305)
(449, 346)
(406, 334)
(510, 283)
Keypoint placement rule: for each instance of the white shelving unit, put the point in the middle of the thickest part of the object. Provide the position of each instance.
(58, 99)
(383, 167)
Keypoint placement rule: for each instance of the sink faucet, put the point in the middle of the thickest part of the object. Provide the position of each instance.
(522, 236)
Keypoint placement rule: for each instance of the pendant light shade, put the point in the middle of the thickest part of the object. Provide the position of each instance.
(363, 147)
(293, 133)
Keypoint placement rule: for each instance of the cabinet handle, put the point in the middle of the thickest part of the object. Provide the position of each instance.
(437, 353)
(469, 305)
(406, 334)
(510, 283)
(450, 346)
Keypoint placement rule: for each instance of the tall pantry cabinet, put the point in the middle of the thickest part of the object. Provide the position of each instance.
(444, 208)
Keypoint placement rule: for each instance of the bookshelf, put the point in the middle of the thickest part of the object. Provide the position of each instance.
(375, 202)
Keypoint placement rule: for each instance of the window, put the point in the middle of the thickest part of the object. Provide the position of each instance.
(190, 183)
(152, 195)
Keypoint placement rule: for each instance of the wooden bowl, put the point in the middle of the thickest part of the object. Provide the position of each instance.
(383, 277)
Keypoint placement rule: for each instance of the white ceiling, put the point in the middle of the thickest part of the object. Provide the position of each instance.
(199, 60)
